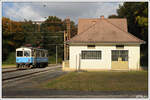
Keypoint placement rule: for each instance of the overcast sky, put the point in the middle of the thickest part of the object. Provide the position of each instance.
(40, 10)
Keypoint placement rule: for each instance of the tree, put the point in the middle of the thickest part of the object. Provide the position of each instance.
(11, 36)
(16, 34)
(137, 19)
(31, 33)
(113, 16)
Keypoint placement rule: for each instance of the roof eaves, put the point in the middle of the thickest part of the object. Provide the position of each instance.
(140, 42)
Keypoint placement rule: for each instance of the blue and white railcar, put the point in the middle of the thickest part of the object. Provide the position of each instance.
(31, 57)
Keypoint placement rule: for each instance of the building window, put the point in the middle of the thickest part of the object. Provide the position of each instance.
(123, 54)
(91, 55)
(119, 46)
(91, 46)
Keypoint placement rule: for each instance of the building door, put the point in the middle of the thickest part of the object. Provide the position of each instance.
(119, 59)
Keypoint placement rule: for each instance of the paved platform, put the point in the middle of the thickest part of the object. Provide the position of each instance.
(74, 94)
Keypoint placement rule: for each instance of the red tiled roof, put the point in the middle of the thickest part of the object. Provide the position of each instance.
(84, 23)
(103, 31)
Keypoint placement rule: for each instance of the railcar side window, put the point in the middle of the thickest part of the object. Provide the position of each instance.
(43, 53)
(27, 53)
(37, 53)
(19, 53)
(46, 54)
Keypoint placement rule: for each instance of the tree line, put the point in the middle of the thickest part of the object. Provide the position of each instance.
(46, 35)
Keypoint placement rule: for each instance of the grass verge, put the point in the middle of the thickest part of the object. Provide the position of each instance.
(8, 65)
(101, 81)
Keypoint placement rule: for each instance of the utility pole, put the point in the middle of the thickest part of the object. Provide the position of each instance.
(56, 54)
(64, 45)
(66, 38)
(38, 27)
(68, 28)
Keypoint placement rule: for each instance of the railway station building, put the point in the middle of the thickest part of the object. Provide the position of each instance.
(103, 44)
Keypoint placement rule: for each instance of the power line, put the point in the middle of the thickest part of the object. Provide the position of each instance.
(36, 32)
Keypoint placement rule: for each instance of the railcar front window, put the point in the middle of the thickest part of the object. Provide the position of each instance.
(27, 53)
(19, 53)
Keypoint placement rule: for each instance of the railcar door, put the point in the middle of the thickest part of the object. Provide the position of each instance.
(34, 56)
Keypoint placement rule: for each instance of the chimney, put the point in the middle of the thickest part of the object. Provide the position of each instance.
(102, 17)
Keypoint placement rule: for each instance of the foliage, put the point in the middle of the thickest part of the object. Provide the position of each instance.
(113, 16)
(137, 19)
(11, 36)
(10, 59)
(46, 35)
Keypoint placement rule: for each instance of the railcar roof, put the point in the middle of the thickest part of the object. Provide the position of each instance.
(32, 48)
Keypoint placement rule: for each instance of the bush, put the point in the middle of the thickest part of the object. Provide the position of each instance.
(11, 59)
(144, 61)
(52, 59)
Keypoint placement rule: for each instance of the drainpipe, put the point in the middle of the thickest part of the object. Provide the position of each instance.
(76, 62)
(79, 62)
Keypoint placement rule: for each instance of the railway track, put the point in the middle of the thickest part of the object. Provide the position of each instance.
(25, 74)
(13, 70)
(9, 71)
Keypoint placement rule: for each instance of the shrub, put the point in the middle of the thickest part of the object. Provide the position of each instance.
(11, 59)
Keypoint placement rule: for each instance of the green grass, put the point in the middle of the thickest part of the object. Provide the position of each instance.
(101, 81)
(52, 59)
(8, 65)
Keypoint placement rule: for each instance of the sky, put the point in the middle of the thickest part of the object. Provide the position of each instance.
(38, 11)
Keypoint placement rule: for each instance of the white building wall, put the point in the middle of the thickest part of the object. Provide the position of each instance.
(105, 63)
(134, 57)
